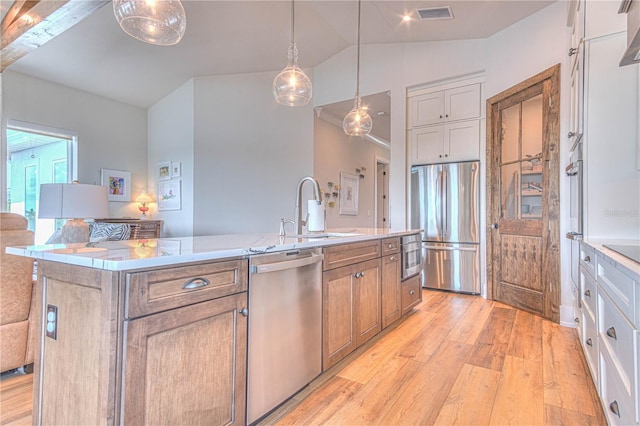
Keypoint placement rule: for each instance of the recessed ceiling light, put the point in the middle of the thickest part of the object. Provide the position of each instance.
(406, 18)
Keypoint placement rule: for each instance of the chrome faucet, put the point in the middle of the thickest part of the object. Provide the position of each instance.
(317, 195)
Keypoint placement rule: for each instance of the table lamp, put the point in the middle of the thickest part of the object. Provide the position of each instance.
(74, 201)
(143, 199)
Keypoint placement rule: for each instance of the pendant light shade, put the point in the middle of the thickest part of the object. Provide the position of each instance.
(161, 22)
(358, 122)
(292, 87)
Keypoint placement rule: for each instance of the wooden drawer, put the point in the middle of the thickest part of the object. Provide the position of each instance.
(618, 336)
(347, 254)
(619, 287)
(411, 293)
(145, 229)
(588, 259)
(390, 245)
(617, 398)
(163, 289)
(589, 341)
(588, 293)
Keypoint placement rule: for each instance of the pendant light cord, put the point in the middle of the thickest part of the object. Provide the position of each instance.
(358, 57)
(292, 21)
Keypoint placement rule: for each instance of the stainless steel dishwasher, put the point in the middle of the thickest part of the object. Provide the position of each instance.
(285, 327)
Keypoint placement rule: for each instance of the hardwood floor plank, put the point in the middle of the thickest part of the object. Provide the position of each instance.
(381, 392)
(422, 396)
(526, 336)
(557, 416)
(471, 325)
(520, 397)
(365, 366)
(321, 405)
(424, 344)
(439, 301)
(567, 381)
(492, 344)
(16, 399)
(463, 407)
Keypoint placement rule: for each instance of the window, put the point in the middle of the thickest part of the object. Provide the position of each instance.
(36, 155)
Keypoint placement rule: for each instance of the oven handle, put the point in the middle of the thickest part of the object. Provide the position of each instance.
(450, 248)
(414, 246)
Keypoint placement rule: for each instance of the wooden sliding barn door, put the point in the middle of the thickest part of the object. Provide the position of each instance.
(522, 195)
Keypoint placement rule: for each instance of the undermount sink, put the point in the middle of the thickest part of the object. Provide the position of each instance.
(324, 235)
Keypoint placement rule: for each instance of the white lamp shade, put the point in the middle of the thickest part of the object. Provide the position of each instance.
(73, 201)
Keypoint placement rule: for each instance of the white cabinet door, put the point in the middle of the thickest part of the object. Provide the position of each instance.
(462, 141)
(426, 109)
(450, 142)
(426, 144)
(576, 126)
(462, 103)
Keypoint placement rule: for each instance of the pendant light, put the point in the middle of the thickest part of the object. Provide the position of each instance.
(292, 87)
(160, 22)
(357, 122)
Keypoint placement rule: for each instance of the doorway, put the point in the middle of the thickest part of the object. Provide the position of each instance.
(523, 200)
(382, 193)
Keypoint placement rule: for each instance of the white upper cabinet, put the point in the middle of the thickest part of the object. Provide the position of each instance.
(446, 143)
(460, 103)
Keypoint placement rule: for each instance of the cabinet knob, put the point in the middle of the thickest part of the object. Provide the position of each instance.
(440, 155)
(446, 155)
(244, 312)
(589, 342)
(446, 115)
(412, 292)
(392, 258)
(577, 320)
(390, 246)
(573, 51)
(587, 293)
(587, 259)
(570, 135)
(494, 226)
(611, 332)
(441, 116)
(614, 408)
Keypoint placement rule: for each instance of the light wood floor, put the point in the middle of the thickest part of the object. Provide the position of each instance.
(457, 360)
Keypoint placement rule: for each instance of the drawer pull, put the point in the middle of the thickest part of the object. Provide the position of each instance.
(577, 320)
(195, 283)
(587, 258)
(391, 246)
(614, 408)
(587, 293)
(412, 292)
(589, 341)
(611, 332)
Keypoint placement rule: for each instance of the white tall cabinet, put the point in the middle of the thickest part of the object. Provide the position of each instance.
(604, 118)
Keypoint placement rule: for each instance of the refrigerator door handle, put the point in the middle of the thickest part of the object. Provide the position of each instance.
(439, 205)
(445, 189)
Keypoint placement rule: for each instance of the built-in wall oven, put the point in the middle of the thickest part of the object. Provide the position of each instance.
(576, 205)
(411, 255)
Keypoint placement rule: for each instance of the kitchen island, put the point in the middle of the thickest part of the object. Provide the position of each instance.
(155, 331)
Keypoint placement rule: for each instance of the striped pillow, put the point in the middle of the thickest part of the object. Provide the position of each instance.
(100, 231)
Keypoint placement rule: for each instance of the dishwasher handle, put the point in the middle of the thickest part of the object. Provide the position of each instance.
(287, 264)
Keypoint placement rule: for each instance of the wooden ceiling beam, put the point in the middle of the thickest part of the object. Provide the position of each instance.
(30, 24)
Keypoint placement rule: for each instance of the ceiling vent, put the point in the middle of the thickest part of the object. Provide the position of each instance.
(443, 12)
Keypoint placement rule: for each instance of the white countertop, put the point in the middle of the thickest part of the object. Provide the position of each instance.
(145, 253)
(621, 262)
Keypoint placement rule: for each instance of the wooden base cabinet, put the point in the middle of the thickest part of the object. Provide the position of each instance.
(351, 309)
(187, 365)
(390, 291)
(152, 346)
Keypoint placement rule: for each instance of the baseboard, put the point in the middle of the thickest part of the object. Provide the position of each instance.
(567, 316)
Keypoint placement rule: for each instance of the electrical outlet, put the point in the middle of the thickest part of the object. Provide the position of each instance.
(52, 322)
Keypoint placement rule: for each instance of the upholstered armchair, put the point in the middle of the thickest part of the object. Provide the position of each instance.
(16, 291)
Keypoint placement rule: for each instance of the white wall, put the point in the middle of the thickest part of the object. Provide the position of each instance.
(171, 138)
(335, 152)
(249, 154)
(508, 57)
(111, 134)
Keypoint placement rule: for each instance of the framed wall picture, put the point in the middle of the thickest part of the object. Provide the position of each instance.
(118, 184)
(176, 169)
(164, 170)
(349, 187)
(169, 195)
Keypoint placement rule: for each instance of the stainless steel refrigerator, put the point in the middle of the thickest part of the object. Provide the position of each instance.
(445, 204)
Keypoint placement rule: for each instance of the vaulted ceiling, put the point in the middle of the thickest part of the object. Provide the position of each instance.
(229, 37)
